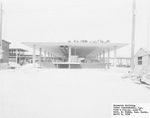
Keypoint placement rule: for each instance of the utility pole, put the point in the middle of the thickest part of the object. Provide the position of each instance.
(133, 35)
(1, 13)
(1, 49)
(148, 38)
(148, 30)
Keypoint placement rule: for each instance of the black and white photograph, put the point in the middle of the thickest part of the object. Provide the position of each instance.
(74, 58)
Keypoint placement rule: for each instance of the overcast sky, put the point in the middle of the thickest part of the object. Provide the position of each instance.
(63, 20)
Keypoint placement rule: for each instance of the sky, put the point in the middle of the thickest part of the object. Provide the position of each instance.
(64, 20)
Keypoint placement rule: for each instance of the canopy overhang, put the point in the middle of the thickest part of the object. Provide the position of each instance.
(82, 49)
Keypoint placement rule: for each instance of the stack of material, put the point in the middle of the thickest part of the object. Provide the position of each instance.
(74, 58)
(145, 79)
(142, 75)
(13, 65)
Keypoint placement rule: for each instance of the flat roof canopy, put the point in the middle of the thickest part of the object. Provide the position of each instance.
(82, 49)
(19, 49)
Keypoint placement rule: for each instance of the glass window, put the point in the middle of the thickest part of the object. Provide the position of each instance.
(139, 60)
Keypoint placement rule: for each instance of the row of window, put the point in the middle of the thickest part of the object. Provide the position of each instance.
(14, 54)
(139, 60)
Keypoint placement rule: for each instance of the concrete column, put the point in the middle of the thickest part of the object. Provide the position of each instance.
(45, 55)
(100, 58)
(40, 53)
(34, 54)
(115, 56)
(69, 54)
(51, 57)
(96, 56)
(103, 57)
(108, 61)
(16, 56)
(121, 62)
(48, 56)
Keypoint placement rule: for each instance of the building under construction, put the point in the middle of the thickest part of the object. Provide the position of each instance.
(74, 54)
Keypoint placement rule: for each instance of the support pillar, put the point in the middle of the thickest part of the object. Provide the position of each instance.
(40, 51)
(100, 58)
(48, 56)
(103, 57)
(108, 61)
(69, 56)
(45, 55)
(115, 57)
(121, 62)
(16, 56)
(34, 54)
(52, 57)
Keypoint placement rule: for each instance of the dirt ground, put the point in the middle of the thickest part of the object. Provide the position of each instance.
(64, 93)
